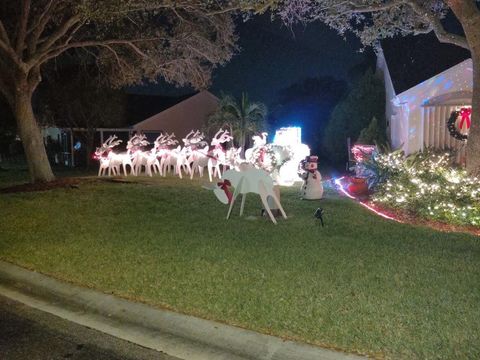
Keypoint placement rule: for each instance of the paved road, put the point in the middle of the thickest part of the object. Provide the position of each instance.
(29, 334)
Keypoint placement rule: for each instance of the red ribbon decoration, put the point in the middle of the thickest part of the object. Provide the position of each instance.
(262, 154)
(465, 113)
(224, 186)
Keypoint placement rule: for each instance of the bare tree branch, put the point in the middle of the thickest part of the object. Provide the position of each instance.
(41, 18)
(61, 31)
(436, 25)
(35, 32)
(10, 52)
(54, 52)
(4, 34)
(22, 29)
(5, 84)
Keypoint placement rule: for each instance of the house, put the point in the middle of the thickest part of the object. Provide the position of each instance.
(423, 87)
(171, 114)
(188, 114)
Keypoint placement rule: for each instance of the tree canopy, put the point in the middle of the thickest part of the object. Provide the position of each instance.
(364, 101)
(128, 40)
(242, 118)
(372, 20)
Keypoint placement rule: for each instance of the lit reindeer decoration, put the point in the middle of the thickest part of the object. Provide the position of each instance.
(139, 156)
(218, 154)
(198, 156)
(177, 158)
(111, 160)
(164, 151)
(102, 155)
(259, 141)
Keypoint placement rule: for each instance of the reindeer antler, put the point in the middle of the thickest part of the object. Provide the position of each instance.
(218, 133)
(114, 142)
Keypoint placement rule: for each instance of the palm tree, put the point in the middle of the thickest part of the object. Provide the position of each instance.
(240, 118)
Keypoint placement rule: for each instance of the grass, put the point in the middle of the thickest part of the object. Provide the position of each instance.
(361, 284)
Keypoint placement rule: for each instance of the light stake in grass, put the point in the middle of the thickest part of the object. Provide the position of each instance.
(319, 215)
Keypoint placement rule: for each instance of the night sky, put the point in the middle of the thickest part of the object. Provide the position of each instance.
(272, 57)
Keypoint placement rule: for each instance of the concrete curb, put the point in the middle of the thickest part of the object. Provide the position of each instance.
(178, 335)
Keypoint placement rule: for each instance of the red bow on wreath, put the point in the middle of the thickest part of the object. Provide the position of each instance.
(465, 114)
(224, 186)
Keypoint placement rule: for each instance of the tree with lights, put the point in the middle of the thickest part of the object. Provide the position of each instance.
(372, 20)
(179, 41)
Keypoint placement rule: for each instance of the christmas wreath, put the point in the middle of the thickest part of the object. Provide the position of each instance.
(465, 114)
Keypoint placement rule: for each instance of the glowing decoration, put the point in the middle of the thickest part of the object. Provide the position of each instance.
(198, 156)
(312, 188)
(362, 152)
(463, 118)
(288, 136)
(427, 184)
(112, 161)
(248, 180)
(291, 138)
(218, 155)
(259, 141)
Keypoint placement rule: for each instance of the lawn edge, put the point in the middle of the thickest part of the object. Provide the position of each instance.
(175, 334)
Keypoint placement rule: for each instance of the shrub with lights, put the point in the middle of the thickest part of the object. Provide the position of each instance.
(426, 184)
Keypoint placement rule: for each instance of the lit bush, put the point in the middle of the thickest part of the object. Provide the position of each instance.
(426, 184)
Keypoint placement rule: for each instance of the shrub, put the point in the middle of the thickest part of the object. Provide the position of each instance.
(427, 184)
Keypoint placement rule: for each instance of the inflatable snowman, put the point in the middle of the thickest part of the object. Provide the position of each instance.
(312, 188)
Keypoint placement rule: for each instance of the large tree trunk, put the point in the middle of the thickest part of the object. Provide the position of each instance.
(35, 153)
(473, 143)
(90, 140)
(468, 13)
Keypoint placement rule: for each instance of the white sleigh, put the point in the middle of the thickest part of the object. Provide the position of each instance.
(255, 181)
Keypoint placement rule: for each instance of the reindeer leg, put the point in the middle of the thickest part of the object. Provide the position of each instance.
(263, 197)
(235, 194)
(242, 205)
(195, 164)
(209, 170)
(277, 202)
(179, 170)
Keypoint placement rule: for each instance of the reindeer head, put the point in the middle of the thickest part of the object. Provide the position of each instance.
(136, 142)
(187, 139)
(157, 144)
(260, 140)
(222, 136)
(106, 147)
(170, 140)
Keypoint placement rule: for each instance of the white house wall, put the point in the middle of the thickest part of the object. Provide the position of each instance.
(410, 126)
(393, 125)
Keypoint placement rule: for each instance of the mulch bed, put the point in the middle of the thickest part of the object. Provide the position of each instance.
(63, 183)
(59, 183)
(411, 218)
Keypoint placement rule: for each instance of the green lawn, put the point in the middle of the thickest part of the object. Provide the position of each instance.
(361, 284)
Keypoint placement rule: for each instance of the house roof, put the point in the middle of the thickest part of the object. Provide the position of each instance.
(141, 106)
(414, 59)
(453, 85)
(186, 115)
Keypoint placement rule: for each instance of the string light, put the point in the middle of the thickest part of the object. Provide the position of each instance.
(340, 187)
